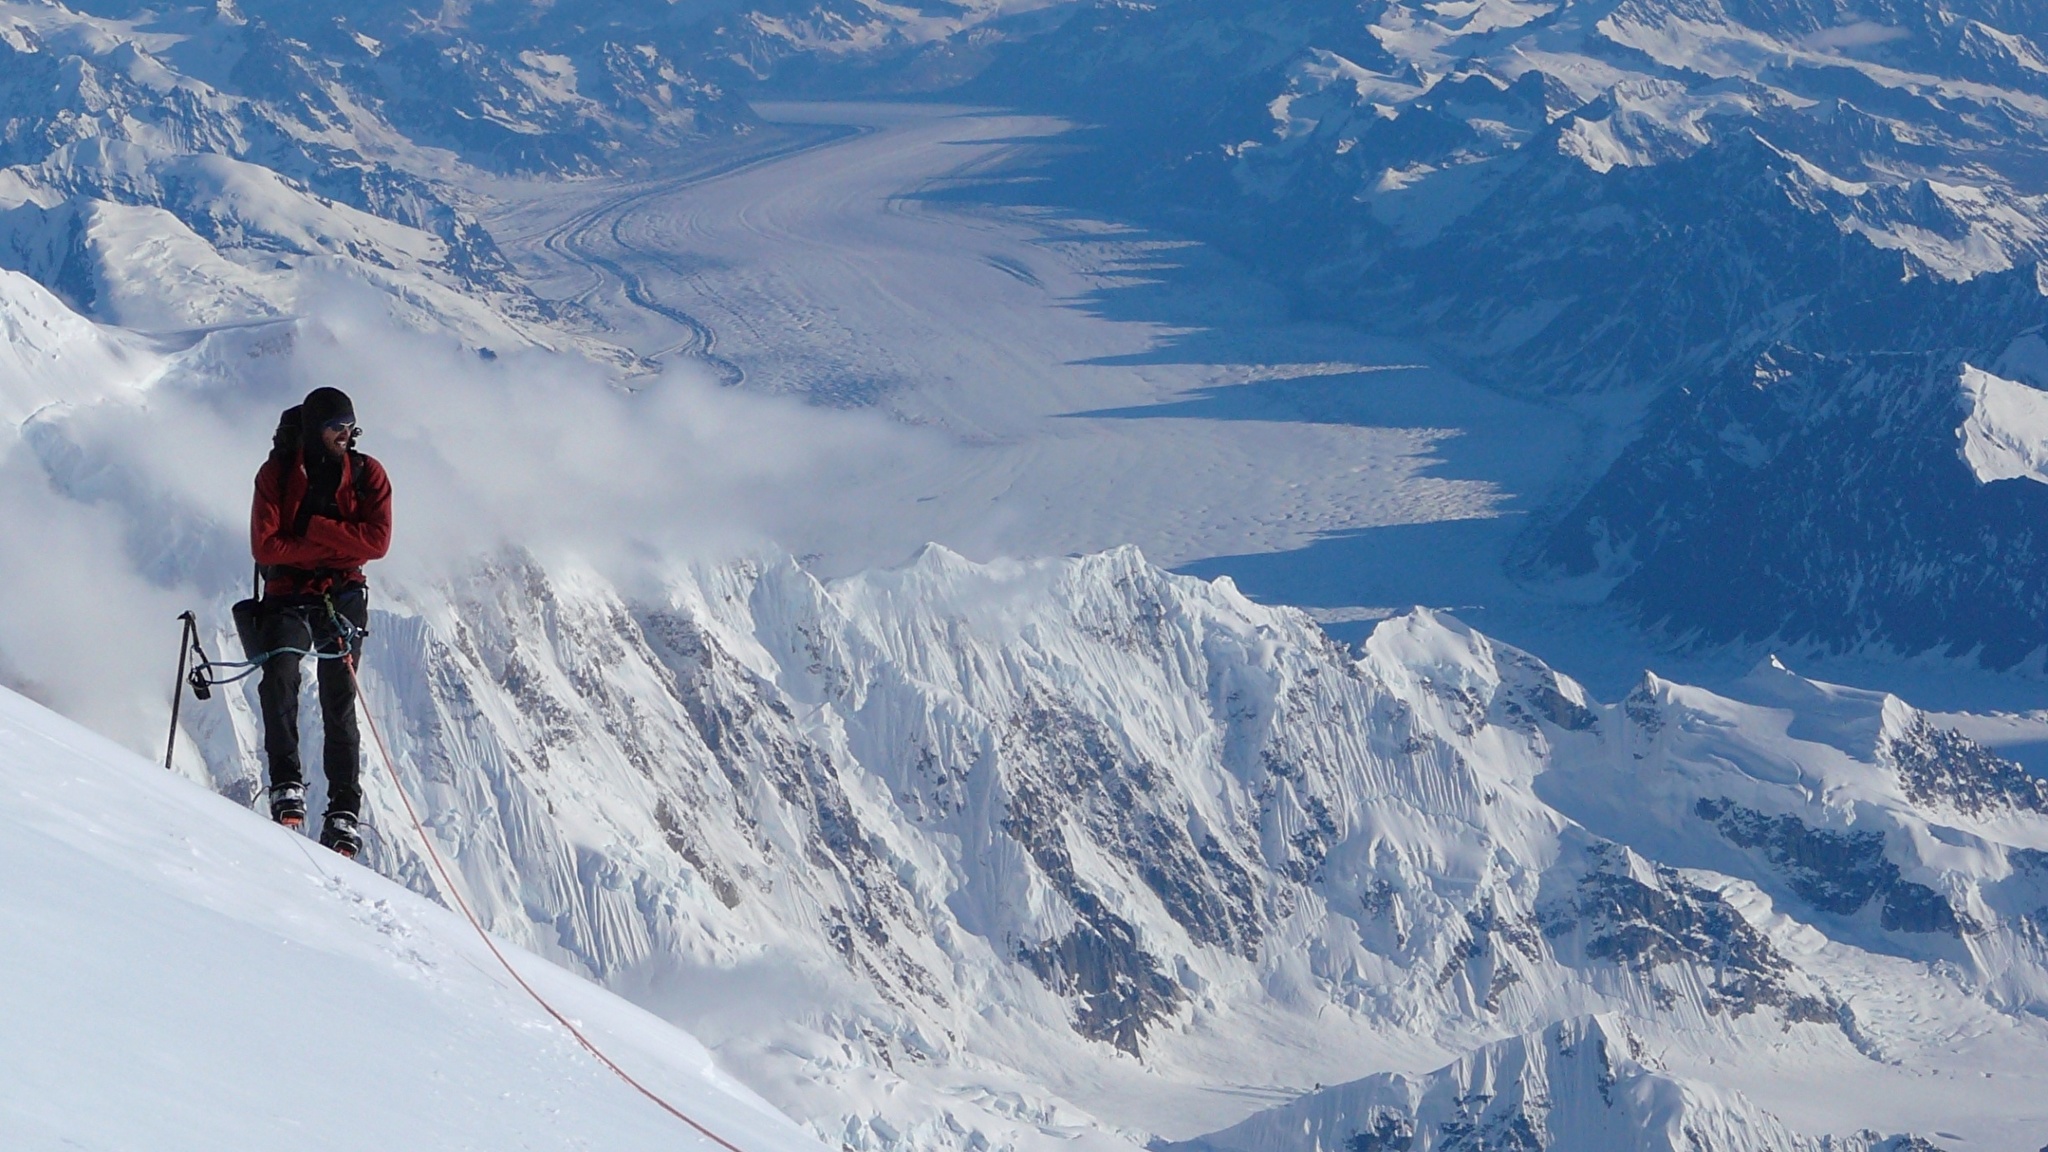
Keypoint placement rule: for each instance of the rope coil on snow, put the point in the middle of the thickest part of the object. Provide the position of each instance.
(448, 882)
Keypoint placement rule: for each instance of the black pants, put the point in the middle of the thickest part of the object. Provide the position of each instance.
(304, 622)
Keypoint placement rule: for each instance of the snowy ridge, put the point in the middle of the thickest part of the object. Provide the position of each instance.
(284, 992)
(51, 355)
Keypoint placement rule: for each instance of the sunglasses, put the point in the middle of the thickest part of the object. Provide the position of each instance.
(339, 426)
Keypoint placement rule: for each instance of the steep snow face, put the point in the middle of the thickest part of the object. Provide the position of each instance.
(1580, 1083)
(2005, 434)
(50, 354)
(957, 853)
(181, 974)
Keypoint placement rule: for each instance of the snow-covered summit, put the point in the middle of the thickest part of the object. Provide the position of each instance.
(2005, 434)
(50, 354)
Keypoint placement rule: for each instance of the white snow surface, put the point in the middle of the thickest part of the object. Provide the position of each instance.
(51, 355)
(2005, 434)
(1577, 1084)
(181, 974)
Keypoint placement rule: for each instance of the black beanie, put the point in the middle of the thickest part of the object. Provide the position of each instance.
(321, 407)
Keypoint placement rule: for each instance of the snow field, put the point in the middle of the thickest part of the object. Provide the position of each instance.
(183, 975)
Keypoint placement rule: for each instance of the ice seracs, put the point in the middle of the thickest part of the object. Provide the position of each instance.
(1582, 1083)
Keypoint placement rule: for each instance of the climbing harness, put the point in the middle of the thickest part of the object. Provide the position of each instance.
(203, 680)
(199, 676)
(201, 673)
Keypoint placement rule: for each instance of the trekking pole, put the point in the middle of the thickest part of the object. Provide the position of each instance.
(188, 639)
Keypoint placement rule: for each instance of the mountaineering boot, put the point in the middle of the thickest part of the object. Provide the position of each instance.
(339, 833)
(288, 804)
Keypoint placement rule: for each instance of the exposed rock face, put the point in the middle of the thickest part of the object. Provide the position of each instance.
(1626, 911)
(1940, 766)
(1906, 547)
(1838, 872)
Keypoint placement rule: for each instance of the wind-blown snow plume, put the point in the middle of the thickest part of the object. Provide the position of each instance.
(131, 466)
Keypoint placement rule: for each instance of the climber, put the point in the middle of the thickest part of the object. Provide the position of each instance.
(322, 511)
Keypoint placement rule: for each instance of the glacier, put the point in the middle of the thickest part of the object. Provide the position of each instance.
(1617, 207)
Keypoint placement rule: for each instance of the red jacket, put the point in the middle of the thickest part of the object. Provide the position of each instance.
(333, 551)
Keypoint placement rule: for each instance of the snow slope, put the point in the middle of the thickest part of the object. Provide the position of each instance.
(181, 974)
(51, 355)
(2005, 435)
(1024, 855)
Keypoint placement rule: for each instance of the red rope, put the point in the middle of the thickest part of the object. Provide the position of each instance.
(448, 882)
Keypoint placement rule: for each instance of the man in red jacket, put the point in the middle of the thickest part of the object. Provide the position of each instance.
(322, 511)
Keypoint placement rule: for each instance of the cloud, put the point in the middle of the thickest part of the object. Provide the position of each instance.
(1859, 34)
(128, 508)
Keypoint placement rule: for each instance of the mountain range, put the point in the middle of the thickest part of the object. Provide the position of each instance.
(1638, 209)
(1022, 853)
